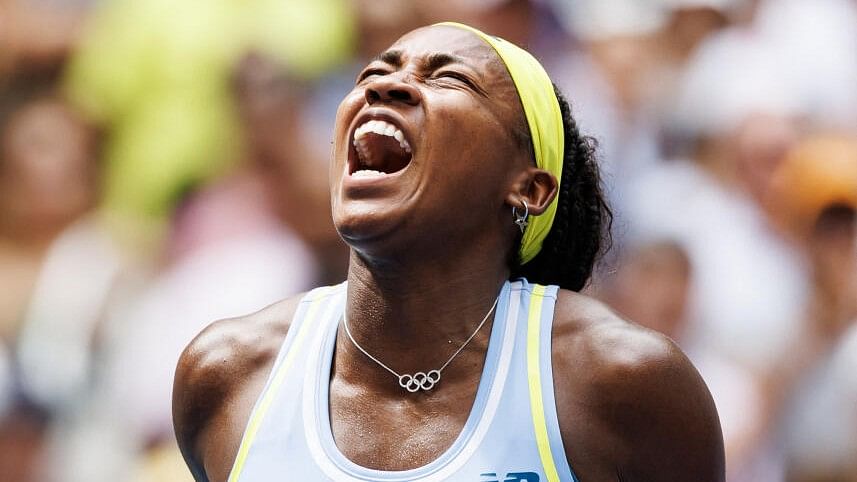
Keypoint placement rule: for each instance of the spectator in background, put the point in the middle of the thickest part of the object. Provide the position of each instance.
(44, 144)
(815, 198)
(55, 275)
(625, 60)
(47, 181)
(664, 269)
(750, 284)
(652, 286)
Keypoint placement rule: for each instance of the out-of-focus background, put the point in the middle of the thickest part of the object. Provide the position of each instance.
(164, 164)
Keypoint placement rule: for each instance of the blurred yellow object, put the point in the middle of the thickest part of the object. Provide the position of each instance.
(819, 172)
(156, 73)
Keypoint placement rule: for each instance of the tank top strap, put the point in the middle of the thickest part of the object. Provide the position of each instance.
(315, 309)
(538, 314)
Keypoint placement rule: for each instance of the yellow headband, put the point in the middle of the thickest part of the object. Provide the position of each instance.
(546, 129)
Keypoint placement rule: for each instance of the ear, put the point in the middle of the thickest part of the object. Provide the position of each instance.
(537, 187)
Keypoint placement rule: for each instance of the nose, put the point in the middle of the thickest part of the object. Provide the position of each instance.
(392, 89)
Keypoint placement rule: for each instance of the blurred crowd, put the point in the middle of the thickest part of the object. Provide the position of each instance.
(164, 164)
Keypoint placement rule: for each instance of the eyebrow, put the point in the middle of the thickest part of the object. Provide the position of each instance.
(433, 61)
(392, 57)
(438, 60)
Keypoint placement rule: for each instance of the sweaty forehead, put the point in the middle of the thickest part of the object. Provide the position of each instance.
(428, 42)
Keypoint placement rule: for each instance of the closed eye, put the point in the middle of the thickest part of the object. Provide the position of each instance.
(454, 75)
(458, 77)
(370, 73)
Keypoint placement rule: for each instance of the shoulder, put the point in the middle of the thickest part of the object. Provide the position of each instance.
(588, 332)
(653, 409)
(218, 377)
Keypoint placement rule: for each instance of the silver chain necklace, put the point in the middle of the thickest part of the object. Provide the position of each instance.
(419, 380)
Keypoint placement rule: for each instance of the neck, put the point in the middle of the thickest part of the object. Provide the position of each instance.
(413, 316)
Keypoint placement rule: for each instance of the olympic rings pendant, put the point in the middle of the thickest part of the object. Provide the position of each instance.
(419, 381)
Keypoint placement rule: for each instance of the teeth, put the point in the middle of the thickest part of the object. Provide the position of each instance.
(384, 129)
(367, 173)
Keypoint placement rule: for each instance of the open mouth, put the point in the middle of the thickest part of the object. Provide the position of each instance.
(379, 149)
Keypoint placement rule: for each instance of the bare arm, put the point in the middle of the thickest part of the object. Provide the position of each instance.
(200, 389)
(217, 380)
(631, 406)
(670, 421)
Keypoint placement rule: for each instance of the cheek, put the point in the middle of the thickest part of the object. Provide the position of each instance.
(348, 108)
(470, 164)
(449, 116)
(473, 146)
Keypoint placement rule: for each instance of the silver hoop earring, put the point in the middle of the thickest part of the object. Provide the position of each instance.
(521, 219)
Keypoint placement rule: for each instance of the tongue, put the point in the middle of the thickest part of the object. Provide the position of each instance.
(381, 153)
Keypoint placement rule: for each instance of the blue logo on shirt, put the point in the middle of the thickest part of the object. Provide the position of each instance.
(511, 477)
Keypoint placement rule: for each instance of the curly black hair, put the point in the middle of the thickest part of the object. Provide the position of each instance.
(580, 234)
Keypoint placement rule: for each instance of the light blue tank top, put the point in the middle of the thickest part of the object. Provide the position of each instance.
(511, 434)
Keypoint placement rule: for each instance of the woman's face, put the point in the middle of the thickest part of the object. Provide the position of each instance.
(425, 145)
(48, 173)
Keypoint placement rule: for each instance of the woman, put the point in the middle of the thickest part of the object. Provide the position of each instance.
(456, 168)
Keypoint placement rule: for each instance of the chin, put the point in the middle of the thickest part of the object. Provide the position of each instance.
(372, 226)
